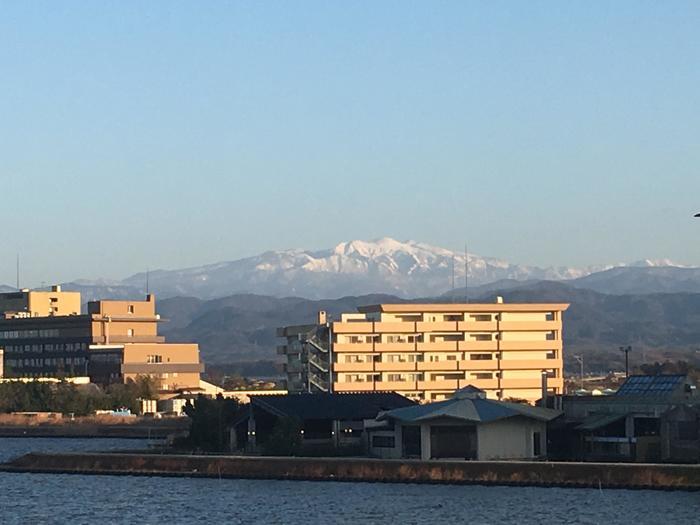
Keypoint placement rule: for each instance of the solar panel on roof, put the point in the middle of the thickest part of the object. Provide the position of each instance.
(650, 385)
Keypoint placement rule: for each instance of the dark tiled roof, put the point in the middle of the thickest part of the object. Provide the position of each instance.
(331, 406)
(660, 385)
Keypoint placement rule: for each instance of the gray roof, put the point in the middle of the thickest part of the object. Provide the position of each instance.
(476, 410)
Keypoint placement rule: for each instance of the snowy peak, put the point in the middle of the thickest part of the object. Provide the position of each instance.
(357, 267)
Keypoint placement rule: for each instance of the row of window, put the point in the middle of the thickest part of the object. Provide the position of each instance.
(420, 357)
(459, 337)
(48, 347)
(46, 362)
(29, 334)
(412, 377)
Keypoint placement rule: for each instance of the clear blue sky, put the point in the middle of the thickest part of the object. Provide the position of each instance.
(171, 134)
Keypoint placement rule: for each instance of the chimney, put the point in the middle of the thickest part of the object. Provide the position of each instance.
(322, 317)
(56, 288)
(499, 299)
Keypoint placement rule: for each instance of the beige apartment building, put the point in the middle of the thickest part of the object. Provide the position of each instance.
(427, 351)
(44, 334)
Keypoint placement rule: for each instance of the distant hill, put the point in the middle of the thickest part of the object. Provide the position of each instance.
(658, 326)
(642, 280)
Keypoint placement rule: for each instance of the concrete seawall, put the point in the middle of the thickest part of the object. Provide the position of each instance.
(596, 475)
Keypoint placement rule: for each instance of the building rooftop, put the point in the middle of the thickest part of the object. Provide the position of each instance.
(468, 406)
(330, 406)
(463, 307)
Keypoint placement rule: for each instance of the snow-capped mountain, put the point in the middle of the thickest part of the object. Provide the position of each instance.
(407, 269)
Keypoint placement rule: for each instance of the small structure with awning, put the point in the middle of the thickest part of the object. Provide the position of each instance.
(466, 426)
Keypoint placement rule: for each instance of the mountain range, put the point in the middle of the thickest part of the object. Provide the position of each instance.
(241, 328)
(404, 269)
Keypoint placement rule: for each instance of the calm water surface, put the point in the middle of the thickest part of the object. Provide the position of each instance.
(41, 498)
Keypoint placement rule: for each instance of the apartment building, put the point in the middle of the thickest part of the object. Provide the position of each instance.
(427, 351)
(115, 341)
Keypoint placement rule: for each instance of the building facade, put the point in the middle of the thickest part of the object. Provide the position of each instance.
(115, 341)
(427, 351)
(466, 426)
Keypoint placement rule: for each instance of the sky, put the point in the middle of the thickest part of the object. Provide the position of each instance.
(170, 134)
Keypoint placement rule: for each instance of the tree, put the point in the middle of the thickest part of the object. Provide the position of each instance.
(210, 421)
(285, 438)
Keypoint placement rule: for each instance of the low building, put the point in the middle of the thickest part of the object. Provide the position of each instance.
(115, 341)
(467, 426)
(427, 351)
(629, 425)
(326, 421)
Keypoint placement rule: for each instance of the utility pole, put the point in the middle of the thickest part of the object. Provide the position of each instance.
(579, 358)
(626, 350)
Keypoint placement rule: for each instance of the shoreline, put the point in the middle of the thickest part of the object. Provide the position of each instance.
(82, 430)
(541, 474)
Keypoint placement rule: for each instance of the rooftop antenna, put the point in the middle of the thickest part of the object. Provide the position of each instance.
(147, 272)
(18, 270)
(466, 274)
(453, 278)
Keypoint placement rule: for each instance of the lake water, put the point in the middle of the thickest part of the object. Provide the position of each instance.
(58, 498)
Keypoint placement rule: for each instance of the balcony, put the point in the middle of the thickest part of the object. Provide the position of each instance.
(478, 346)
(395, 367)
(436, 326)
(395, 328)
(529, 326)
(394, 347)
(394, 385)
(535, 382)
(353, 347)
(479, 364)
(353, 387)
(353, 367)
(438, 366)
(477, 326)
(544, 344)
(359, 327)
(485, 384)
(446, 346)
(121, 339)
(443, 384)
(281, 349)
(530, 364)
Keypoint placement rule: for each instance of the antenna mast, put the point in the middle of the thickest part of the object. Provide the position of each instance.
(466, 274)
(453, 277)
(147, 272)
(18, 270)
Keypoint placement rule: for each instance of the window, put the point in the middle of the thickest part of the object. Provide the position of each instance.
(551, 355)
(536, 444)
(130, 308)
(482, 318)
(130, 332)
(154, 358)
(383, 441)
(483, 375)
(481, 357)
(482, 337)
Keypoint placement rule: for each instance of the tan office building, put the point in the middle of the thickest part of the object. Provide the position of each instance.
(114, 342)
(427, 351)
